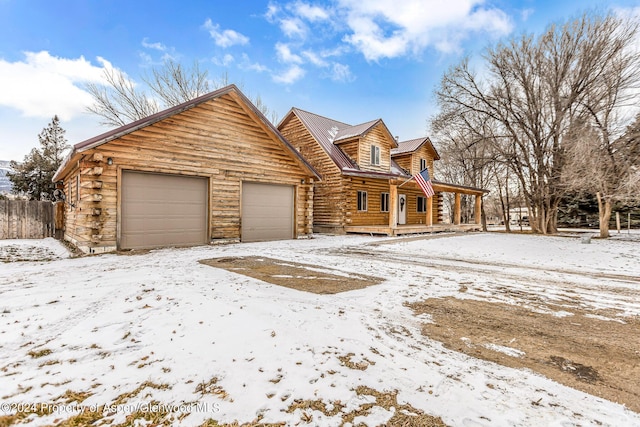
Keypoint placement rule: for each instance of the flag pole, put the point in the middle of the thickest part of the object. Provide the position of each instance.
(405, 182)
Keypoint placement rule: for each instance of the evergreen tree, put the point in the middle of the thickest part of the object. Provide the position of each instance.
(33, 177)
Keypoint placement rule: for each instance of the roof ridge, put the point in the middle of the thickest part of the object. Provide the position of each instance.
(321, 116)
(369, 121)
(422, 138)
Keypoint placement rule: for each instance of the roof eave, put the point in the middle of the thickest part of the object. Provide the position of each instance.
(370, 174)
(461, 187)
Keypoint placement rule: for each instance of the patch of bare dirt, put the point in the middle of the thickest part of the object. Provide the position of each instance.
(594, 355)
(303, 277)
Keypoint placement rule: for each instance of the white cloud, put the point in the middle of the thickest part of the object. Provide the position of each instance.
(293, 74)
(157, 46)
(272, 11)
(371, 40)
(168, 53)
(388, 28)
(225, 38)
(285, 55)
(146, 58)
(43, 85)
(246, 64)
(294, 17)
(526, 13)
(491, 20)
(314, 58)
(225, 61)
(310, 12)
(293, 27)
(341, 73)
(381, 29)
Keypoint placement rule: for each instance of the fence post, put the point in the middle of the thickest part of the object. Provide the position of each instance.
(4, 219)
(58, 220)
(618, 221)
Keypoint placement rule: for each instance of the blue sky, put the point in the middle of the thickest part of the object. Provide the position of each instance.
(351, 60)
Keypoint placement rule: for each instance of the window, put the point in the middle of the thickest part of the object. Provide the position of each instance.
(423, 164)
(78, 188)
(362, 200)
(422, 204)
(384, 202)
(375, 155)
(69, 195)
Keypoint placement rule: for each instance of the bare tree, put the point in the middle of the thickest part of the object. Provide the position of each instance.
(121, 101)
(175, 84)
(534, 89)
(600, 161)
(270, 114)
(608, 168)
(468, 156)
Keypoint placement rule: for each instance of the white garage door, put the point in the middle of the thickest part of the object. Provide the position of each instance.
(267, 212)
(163, 210)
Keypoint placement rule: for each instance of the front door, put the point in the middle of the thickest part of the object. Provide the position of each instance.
(402, 209)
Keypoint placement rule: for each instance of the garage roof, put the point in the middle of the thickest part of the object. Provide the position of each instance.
(154, 118)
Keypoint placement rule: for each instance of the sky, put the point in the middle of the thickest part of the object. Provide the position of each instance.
(350, 60)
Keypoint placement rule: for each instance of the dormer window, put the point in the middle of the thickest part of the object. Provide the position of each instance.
(423, 164)
(375, 155)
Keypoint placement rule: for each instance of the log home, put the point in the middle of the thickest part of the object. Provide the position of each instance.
(213, 168)
(366, 186)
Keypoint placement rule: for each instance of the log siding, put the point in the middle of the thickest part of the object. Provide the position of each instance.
(329, 206)
(217, 139)
(379, 137)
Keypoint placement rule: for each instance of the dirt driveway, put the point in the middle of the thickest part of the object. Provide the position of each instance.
(549, 322)
(595, 351)
(581, 349)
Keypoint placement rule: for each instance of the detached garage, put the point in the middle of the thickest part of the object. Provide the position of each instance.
(213, 168)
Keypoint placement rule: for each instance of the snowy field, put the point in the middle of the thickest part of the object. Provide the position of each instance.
(123, 330)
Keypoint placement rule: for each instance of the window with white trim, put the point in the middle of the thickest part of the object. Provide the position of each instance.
(384, 202)
(375, 155)
(78, 189)
(362, 201)
(421, 204)
(423, 164)
(69, 195)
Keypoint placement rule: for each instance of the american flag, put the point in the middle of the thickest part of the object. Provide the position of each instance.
(424, 182)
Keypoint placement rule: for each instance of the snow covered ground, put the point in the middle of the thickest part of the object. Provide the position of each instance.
(159, 326)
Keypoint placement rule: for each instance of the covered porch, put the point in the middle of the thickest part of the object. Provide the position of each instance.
(429, 223)
(399, 230)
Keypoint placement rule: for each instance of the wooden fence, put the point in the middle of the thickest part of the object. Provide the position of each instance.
(21, 219)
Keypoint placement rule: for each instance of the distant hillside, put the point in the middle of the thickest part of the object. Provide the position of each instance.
(5, 184)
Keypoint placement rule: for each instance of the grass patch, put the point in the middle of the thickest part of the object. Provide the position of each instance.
(40, 353)
(147, 384)
(256, 423)
(404, 415)
(212, 387)
(360, 366)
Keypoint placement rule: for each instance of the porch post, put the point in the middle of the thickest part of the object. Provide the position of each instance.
(429, 219)
(478, 210)
(456, 210)
(393, 206)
